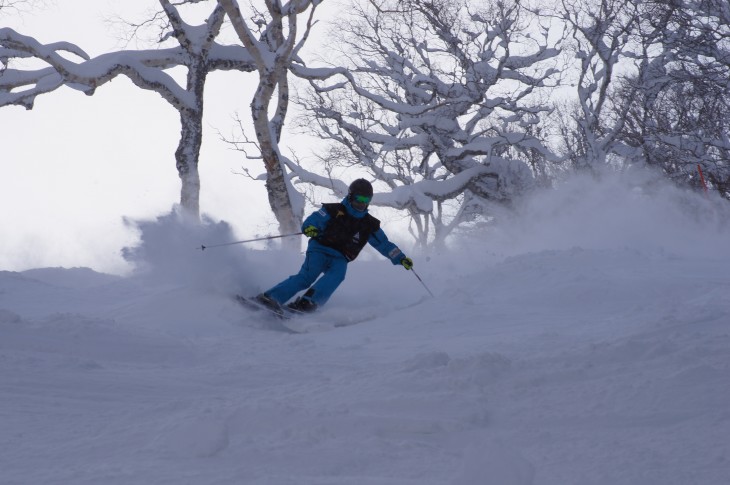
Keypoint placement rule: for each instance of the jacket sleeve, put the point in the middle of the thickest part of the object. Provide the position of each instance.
(380, 241)
(317, 219)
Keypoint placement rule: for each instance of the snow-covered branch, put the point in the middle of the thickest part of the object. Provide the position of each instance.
(602, 32)
(678, 102)
(197, 51)
(429, 95)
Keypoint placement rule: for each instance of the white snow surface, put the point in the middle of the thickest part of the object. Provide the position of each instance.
(586, 343)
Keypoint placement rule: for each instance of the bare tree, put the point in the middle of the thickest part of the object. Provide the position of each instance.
(430, 99)
(197, 51)
(18, 6)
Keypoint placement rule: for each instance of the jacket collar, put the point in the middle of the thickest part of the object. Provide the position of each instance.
(350, 210)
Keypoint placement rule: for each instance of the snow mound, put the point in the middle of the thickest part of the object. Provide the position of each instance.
(548, 357)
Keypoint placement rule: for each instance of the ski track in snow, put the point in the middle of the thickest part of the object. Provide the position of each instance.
(584, 367)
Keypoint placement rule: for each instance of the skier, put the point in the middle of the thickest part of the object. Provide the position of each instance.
(337, 233)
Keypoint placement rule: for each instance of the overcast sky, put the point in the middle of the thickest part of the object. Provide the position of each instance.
(75, 166)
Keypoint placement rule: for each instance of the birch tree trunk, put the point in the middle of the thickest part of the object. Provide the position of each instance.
(188, 149)
(187, 153)
(277, 186)
(273, 52)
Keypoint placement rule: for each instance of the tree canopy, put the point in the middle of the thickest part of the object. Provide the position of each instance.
(451, 108)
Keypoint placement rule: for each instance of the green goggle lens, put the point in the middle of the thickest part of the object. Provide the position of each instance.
(363, 199)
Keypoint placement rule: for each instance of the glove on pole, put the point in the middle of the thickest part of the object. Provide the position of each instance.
(204, 247)
(311, 231)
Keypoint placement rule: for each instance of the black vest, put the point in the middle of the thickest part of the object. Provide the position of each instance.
(345, 233)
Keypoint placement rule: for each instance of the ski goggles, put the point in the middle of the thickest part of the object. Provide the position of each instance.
(362, 199)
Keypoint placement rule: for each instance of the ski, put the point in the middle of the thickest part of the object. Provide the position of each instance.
(252, 304)
(276, 323)
(284, 321)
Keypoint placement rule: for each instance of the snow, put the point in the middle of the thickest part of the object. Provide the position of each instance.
(569, 346)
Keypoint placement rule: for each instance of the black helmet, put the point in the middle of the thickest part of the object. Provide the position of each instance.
(360, 187)
(359, 194)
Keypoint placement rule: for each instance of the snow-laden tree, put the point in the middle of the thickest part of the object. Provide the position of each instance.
(680, 97)
(196, 50)
(602, 45)
(653, 86)
(436, 101)
(273, 39)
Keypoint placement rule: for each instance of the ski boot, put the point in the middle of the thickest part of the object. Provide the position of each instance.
(273, 305)
(302, 305)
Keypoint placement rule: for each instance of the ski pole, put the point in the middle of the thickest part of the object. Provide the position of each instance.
(204, 247)
(424, 284)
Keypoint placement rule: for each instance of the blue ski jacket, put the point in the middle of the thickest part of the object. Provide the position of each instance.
(376, 239)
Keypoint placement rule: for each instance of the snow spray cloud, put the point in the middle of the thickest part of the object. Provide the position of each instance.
(636, 209)
(169, 251)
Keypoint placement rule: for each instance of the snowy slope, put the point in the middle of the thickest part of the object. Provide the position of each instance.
(575, 363)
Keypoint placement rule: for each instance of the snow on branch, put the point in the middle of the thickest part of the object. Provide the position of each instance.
(435, 101)
(14, 45)
(87, 75)
(145, 68)
(197, 52)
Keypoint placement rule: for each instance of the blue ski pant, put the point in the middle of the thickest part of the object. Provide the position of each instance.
(332, 269)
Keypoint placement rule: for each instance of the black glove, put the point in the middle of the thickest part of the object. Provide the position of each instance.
(407, 263)
(311, 231)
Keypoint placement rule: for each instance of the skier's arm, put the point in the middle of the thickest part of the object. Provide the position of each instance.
(380, 242)
(318, 220)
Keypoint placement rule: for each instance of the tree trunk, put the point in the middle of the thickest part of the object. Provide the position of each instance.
(276, 183)
(186, 158)
(272, 75)
(191, 140)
